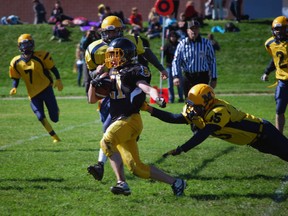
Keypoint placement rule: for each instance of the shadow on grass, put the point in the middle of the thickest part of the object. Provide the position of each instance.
(208, 197)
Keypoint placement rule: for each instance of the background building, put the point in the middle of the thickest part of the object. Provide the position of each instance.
(88, 8)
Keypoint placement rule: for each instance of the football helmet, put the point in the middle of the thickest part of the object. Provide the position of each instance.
(26, 44)
(112, 27)
(279, 28)
(200, 98)
(120, 52)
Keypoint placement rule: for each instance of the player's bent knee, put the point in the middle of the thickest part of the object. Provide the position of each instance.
(106, 147)
(141, 170)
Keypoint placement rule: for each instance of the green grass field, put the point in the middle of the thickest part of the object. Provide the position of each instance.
(42, 178)
(38, 177)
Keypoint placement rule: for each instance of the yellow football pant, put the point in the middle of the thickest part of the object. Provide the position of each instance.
(121, 137)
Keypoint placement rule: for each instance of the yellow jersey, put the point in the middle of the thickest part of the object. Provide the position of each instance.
(279, 52)
(35, 72)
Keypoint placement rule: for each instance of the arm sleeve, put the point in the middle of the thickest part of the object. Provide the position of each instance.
(15, 83)
(199, 137)
(168, 117)
(55, 72)
(150, 56)
(270, 67)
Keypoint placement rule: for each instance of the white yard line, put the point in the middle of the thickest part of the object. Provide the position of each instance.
(279, 196)
(23, 141)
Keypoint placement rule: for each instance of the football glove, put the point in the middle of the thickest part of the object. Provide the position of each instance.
(96, 82)
(145, 106)
(58, 84)
(161, 102)
(173, 152)
(13, 91)
(264, 77)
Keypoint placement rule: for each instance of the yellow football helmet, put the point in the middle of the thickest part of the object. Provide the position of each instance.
(26, 44)
(200, 98)
(279, 28)
(114, 25)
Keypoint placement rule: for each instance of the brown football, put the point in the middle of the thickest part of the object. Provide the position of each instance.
(104, 90)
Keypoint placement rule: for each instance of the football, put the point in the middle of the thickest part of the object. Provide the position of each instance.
(104, 89)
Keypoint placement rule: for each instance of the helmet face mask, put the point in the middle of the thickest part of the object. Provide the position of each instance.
(26, 44)
(111, 28)
(279, 28)
(120, 52)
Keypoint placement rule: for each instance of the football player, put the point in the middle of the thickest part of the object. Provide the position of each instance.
(35, 68)
(276, 46)
(112, 27)
(220, 119)
(130, 84)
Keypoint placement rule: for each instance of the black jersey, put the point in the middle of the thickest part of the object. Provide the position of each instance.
(126, 98)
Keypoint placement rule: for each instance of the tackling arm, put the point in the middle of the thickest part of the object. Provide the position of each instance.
(197, 139)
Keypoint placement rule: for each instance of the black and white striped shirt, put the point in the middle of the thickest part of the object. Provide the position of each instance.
(194, 57)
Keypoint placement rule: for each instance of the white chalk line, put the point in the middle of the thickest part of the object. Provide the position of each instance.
(279, 196)
(23, 141)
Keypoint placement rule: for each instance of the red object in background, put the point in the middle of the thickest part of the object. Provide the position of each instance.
(162, 93)
(164, 7)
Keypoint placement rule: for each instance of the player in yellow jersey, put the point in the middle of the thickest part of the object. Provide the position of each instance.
(277, 47)
(112, 27)
(35, 68)
(220, 119)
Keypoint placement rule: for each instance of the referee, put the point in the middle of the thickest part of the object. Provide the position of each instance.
(195, 58)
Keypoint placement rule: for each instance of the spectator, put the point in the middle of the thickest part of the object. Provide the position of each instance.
(36, 69)
(154, 29)
(236, 9)
(11, 20)
(135, 19)
(60, 32)
(169, 51)
(192, 13)
(176, 7)
(79, 64)
(39, 12)
(170, 24)
(107, 12)
(230, 27)
(215, 44)
(195, 57)
(208, 9)
(217, 11)
(182, 26)
(152, 15)
(57, 14)
(101, 12)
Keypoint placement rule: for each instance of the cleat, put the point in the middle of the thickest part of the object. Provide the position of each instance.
(55, 138)
(178, 187)
(97, 171)
(121, 188)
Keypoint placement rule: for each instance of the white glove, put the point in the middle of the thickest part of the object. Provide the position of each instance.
(264, 77)
(161, 102)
